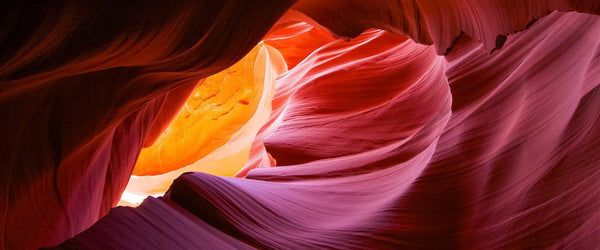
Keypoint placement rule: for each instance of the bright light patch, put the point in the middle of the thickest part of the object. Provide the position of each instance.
(215, 128)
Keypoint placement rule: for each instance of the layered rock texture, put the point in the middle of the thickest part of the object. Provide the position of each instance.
(341, 124)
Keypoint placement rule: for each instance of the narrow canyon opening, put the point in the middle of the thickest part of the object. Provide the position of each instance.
(214, 130)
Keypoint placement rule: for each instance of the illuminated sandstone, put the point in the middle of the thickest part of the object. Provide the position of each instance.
(215, 128)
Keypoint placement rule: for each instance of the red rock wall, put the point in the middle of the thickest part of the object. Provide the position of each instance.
(379, 141)
(82, 84)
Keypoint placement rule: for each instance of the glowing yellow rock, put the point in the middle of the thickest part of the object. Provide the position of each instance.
(215, 128)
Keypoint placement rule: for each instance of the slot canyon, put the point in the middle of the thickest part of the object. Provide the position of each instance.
(300, 124)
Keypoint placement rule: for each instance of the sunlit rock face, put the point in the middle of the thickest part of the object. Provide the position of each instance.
(215, 128)
(400, 124)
